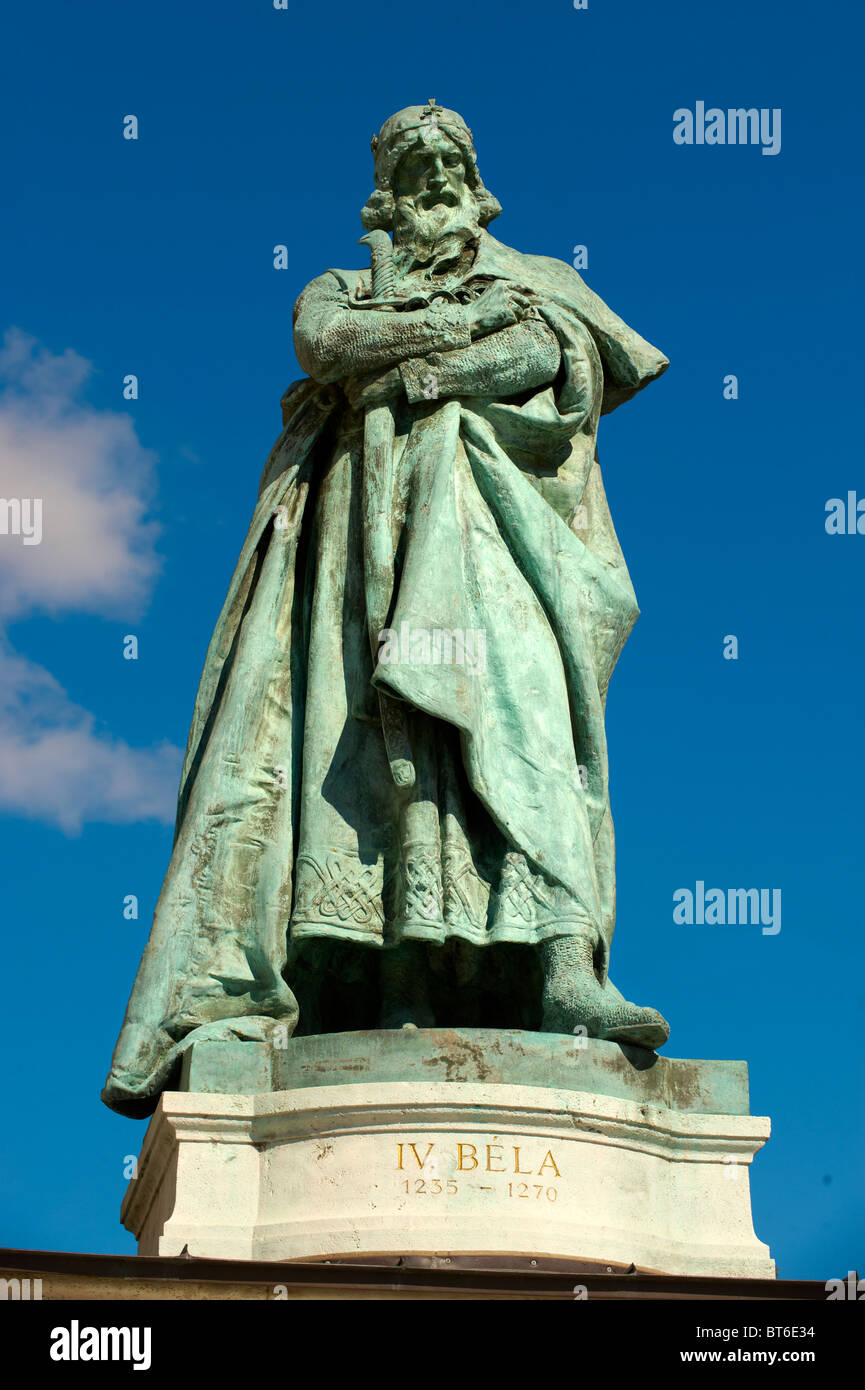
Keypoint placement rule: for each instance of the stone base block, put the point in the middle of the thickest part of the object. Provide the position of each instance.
(462, 1167)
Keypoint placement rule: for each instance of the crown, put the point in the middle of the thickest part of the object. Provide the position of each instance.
(400, 130)
(396, 137)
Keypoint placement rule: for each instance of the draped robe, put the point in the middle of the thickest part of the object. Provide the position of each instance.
(290, 829)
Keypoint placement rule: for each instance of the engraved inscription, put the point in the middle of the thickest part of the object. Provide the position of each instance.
(476, 1157)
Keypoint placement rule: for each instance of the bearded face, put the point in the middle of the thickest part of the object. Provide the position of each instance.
(436, 211)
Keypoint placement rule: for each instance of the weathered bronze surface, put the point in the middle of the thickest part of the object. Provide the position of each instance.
(492, 1056)
(394, 807)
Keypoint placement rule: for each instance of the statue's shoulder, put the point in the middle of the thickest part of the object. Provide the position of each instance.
(537, 270)
(332, 286)
(333, 279)
(629, 361)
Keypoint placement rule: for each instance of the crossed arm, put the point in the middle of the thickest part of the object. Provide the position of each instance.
(480, 349)
(503, 363)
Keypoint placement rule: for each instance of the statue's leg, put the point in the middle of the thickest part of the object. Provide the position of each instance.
(404, 987)
(574, 998)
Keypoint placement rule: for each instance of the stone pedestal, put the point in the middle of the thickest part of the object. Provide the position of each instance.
(463, 1142)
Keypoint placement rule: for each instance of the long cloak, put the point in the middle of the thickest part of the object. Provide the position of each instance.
(289, 826)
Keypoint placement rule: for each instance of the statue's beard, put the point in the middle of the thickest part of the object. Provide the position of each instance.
(426, 233)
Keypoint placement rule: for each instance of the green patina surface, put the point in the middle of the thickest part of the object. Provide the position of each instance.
(394, 806)
(487, 1056)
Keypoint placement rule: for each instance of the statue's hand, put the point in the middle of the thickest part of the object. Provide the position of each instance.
(498, 307)
(373, 388)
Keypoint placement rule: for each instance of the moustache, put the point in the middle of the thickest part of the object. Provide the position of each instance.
(443, 196)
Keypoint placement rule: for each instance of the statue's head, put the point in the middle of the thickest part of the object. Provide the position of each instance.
(426, 177)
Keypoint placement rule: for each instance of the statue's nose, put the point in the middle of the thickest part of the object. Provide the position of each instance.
(437, 178)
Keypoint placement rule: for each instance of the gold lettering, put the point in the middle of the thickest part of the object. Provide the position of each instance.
(422, 1161)
(517, 1168)
(461, 1167)
(549, 1161)
(490, 1168)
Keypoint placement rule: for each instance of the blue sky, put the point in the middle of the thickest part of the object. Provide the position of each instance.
(155, 257)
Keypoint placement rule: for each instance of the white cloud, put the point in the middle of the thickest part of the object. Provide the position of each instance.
(95, 482)
(54, 766)
(97, 555)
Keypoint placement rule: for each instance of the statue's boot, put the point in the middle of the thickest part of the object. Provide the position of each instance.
(574, 998)
(404, 996)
